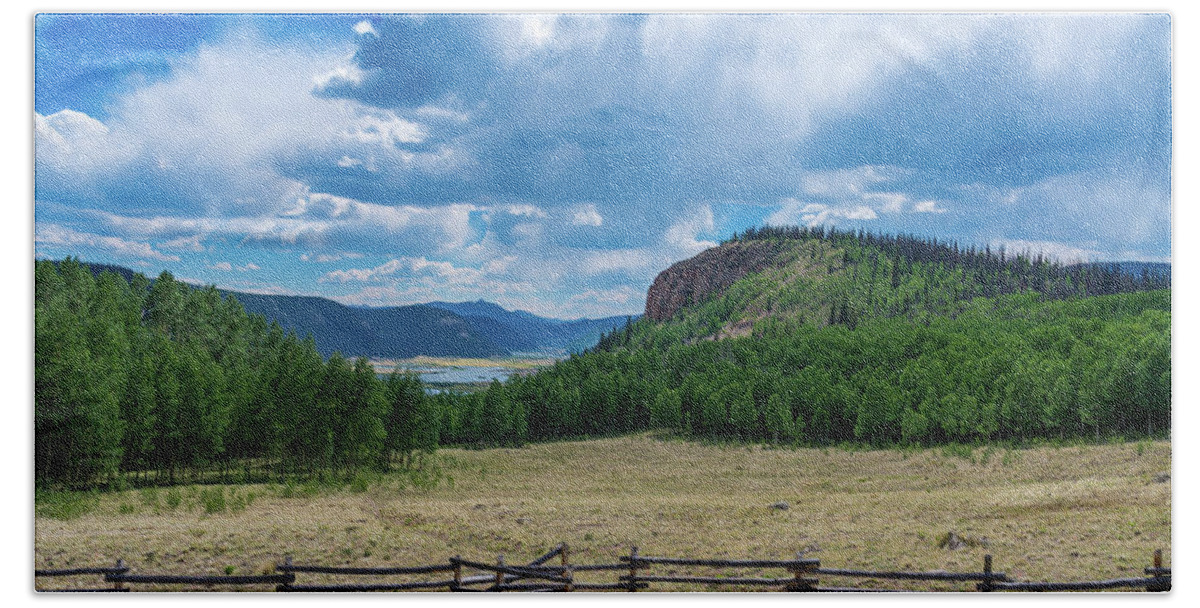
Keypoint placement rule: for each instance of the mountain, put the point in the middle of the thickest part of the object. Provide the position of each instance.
(445, 329)
(394, 332)
(820, 277)
(521, 331)
(1138, 270)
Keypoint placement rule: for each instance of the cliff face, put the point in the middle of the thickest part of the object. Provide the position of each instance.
(695, 279)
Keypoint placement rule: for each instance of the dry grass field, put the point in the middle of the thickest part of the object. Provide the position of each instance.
(1047, 513)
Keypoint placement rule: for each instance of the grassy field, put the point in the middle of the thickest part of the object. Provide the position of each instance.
(1047, 513)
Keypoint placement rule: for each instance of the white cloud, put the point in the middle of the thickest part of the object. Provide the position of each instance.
(793, 212)
(259, 287)
(526, 211)
(184, 243)
(889, 202)
(71, 148)
(324, 258)
(385, 129)
(315, 219)
(859, 213)
(684, 235)
(364, 27)
(226, 266)
(413, 266)
(794, 71)
(1062, 252)
(56, 235)
(363, 274)
(249, 266)
(212, 137)
(845, 183)
(342, 73)
(587, 215)
(927, 206)
(408, 280)
(636, 262)
(847, 194)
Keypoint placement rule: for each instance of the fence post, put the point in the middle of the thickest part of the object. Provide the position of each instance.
(499, 575)
(457, 574)
(1156, 586)
(633, 553)
(801, 583)
(118, 585)
(568, 573)
(287, 561)
(986, 585)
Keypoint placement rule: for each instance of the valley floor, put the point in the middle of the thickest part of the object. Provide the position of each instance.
(1047, 513)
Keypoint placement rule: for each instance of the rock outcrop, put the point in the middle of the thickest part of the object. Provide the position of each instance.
(711, 271)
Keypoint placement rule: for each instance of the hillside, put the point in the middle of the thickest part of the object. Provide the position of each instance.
(817, 277)
(439, 329)
(817, 337)
(393, 332)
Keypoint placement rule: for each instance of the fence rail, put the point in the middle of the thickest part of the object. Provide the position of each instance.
(804, 575)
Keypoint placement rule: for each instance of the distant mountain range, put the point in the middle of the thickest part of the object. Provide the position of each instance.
(521, 331)
(438, 329)
(1137, 269)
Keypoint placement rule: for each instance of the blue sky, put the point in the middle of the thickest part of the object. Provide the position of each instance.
(558, 163)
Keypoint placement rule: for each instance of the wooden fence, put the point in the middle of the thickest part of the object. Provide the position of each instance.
(457, 574)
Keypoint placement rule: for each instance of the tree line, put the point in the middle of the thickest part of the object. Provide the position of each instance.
(1008, 368)
(160, 381)
(879, 339)
(988, 273)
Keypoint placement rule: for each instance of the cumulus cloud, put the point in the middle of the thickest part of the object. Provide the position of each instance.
(71, 240)
(846, 183)
(413, 266)
(1061, 252)
(363, 28)
(325, 258)
(793, 213)
(526, 211)
(927, 207)
(635, 262)
(184, 243)
(587, 216)
(684, 235)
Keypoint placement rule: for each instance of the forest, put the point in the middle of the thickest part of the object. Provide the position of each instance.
(847, 337)
(161, 381)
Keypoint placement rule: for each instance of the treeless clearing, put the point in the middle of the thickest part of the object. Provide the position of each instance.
(1047, 513)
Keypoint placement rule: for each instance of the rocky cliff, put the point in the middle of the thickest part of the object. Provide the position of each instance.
(696, 279)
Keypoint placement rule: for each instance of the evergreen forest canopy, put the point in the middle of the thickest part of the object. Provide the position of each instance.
(841, 337)
(165, 380)
(884, 340)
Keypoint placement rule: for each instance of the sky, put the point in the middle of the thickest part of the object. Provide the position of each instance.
(558, 163)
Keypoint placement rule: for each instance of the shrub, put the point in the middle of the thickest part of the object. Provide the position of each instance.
(174, 498)
(213, 499)
(65, 505)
